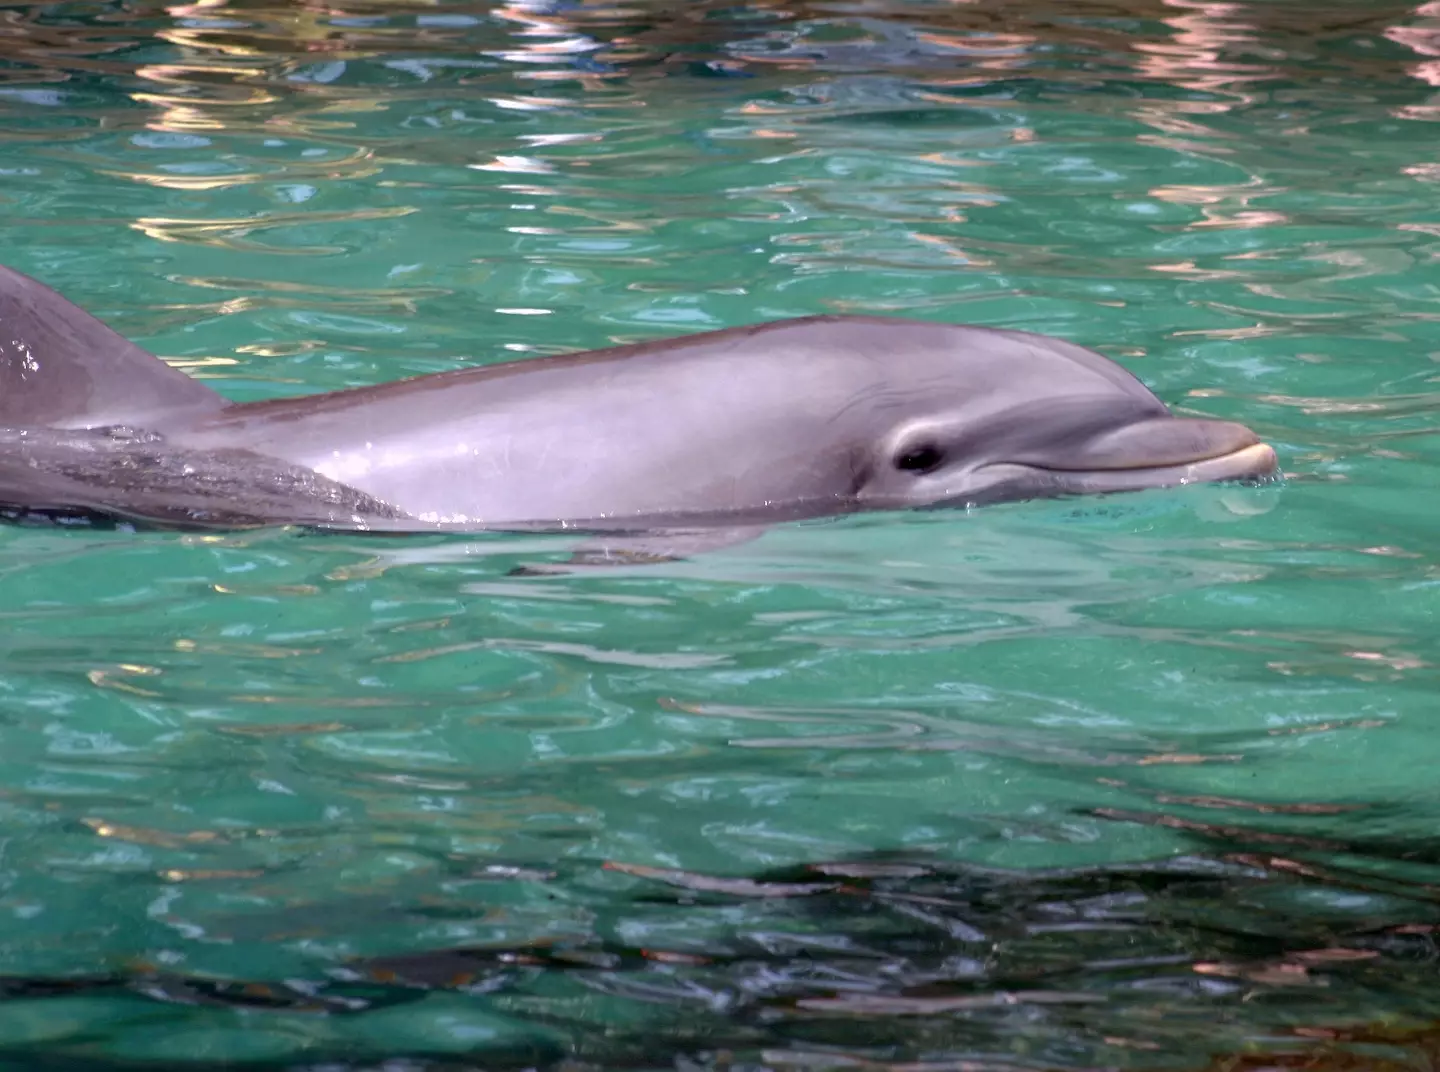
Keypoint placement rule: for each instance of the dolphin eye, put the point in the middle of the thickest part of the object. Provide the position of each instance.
(919, 459)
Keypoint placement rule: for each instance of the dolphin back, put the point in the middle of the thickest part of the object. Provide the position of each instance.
(62, 368)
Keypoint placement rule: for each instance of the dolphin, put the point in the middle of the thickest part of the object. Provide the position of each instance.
(812, 417)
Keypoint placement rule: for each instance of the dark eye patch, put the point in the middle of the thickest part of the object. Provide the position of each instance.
(919, 459)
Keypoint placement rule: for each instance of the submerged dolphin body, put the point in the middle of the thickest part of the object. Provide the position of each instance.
(800, 418)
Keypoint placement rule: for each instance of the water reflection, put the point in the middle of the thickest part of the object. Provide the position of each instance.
(848, 962)
(252, 107)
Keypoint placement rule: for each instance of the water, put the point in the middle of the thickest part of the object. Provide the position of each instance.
(1143, 782)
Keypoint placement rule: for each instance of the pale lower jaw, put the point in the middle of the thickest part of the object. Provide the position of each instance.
(1255, 462)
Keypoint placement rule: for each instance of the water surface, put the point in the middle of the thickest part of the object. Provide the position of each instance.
(1143, 782)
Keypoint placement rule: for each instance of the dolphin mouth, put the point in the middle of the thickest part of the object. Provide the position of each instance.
(1155, 452)
(1253, 462)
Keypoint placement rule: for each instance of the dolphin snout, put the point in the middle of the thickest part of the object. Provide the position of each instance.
(1159, 442)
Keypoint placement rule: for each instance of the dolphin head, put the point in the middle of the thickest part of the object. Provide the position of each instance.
(1007, 415)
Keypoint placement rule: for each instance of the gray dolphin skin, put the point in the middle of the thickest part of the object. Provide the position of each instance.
(800, 418)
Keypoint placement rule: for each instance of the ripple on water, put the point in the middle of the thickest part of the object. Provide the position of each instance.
(1047, 786)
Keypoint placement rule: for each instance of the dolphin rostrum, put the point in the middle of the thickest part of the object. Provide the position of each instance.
(799, 418)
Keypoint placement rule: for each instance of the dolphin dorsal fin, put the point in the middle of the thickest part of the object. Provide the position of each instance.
(60, 367)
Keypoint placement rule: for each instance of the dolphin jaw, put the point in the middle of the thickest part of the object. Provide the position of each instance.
(1257, 462)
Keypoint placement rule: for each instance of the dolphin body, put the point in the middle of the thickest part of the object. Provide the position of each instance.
(800, 418)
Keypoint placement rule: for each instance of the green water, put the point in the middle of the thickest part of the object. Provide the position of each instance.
(344, 802)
